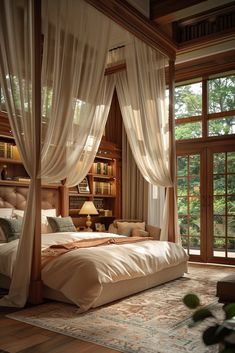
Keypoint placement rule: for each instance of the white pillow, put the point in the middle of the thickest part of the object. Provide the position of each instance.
(45, 226)
(18, 213)
(6, 212)
(125, 228)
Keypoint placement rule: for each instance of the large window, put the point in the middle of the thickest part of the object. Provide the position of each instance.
(216, 117)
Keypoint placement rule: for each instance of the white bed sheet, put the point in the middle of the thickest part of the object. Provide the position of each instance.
(81, 274)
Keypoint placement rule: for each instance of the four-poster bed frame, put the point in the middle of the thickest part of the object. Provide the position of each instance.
(131, 20)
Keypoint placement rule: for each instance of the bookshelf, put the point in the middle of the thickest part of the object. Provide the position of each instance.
(11, 168)
(104, 187)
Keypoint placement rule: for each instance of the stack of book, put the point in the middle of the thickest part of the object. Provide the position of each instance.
(102, 188)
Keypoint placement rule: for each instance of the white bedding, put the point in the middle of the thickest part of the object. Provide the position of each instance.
(80, 274)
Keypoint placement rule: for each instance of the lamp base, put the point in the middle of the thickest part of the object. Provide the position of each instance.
(88, 224)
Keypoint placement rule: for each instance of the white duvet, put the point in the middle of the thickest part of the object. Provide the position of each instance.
(80, 274)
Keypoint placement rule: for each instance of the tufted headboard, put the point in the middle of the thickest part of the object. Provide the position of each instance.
(15, 196)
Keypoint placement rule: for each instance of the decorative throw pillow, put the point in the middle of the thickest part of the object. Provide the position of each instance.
(61, 224)
(136, 232)
(11, 229)
(125, 228)
(6, 212)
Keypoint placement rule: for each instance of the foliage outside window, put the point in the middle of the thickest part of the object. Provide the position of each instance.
(220, 100)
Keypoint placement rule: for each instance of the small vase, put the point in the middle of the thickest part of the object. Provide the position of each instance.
(4, 172)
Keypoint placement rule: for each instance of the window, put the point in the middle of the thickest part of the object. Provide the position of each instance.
(218, 111)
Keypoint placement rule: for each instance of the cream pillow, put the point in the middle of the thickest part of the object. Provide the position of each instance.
(18, 213)
(125, 228)
(45, 226)
(6, 212)
(136, 232)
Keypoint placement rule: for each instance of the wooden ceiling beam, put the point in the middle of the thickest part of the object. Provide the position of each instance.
(160, 8)
(133, 21)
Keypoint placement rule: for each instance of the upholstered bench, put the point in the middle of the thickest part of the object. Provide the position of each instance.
(226, 289)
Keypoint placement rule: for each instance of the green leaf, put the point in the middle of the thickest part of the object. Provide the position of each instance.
(215, 334)
(229, 310)
(191, 301)
(201, 314)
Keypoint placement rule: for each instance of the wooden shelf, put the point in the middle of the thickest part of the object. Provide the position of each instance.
(26, 183)
(10, 160)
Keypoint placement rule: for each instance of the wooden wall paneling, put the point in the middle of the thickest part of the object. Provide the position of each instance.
(113, 128)
(172, 191)
(121, 12)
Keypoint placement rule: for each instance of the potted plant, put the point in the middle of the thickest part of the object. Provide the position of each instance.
(221, 332)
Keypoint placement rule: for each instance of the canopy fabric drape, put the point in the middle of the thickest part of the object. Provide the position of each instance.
(16, 74)
(75, 101)
(134, 186)
(141, 94)
(76, 95)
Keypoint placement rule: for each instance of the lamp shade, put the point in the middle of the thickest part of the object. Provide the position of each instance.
(88, 208)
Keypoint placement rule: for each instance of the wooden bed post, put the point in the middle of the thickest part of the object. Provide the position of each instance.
(172, 206)
(64, 199)
(35, 288)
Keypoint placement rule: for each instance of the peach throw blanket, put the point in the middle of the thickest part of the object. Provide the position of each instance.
(60, 249)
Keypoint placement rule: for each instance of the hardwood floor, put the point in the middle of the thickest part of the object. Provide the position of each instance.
(18, 337)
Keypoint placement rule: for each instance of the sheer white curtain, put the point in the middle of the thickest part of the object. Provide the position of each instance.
(76, 100)
(156, 201)
(134, 187)
(141, 94)
(16, 73)
(76, 94)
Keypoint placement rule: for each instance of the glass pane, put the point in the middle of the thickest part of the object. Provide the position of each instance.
(219, 247)
(219, 226)
(188, 100)
(194, 243)
(231, 162)
(182, 166)
(194, 164)
(194, 226)
(219, 163)
(221, 94)
(194, 186)
(2, 104)
(223, 126)
(219, 185)
(184, 241)
(194, 205)
(183, 224)
(219, 205)
(231, 184)
(231, 205)
(231, 248)
(231, 226)
(182, 186)
(188, 130)
(183, 205)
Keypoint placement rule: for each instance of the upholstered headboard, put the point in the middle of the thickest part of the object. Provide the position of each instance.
(15, 196)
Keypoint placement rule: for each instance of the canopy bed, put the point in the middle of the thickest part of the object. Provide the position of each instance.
(58, 110)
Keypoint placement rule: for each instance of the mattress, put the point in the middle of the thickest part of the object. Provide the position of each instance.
(95, 276)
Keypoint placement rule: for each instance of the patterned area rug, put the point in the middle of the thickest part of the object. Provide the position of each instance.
(154, 321)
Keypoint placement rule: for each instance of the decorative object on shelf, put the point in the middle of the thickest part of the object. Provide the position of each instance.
(4, 172)
(99, 227)
(88, 209)
(83, 187)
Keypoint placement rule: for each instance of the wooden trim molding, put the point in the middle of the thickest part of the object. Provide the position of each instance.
(133, 21)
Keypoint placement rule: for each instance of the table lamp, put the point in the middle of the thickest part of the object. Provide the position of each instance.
(88, 208)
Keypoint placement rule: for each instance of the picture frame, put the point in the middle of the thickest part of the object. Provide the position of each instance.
(99, 227)
(83, 187)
